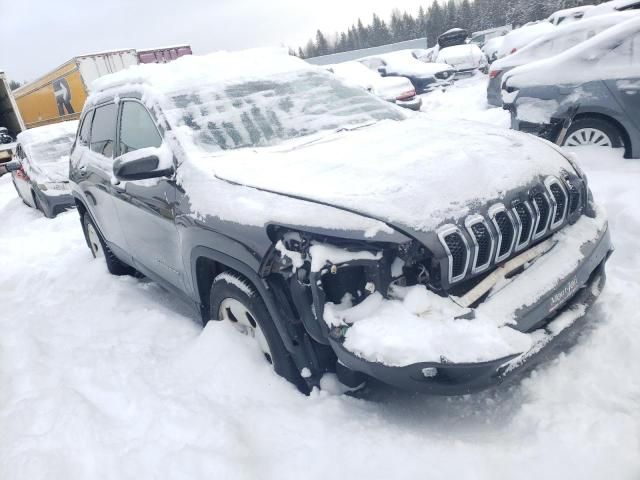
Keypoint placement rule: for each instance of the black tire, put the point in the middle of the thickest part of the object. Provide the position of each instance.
(230, 285)
(39, 206)
(604, 126)
(114, 265)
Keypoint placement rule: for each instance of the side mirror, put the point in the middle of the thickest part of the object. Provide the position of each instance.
(382, 71)
(139, 168)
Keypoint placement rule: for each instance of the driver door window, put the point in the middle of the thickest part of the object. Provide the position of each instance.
(137, 128)
(103, 130)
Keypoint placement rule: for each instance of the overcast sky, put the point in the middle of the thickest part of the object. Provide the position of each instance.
(39, 35)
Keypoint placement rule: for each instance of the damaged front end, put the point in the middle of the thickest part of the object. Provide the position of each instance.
(322, 270)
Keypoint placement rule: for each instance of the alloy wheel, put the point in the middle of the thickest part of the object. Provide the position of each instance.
(588, 136)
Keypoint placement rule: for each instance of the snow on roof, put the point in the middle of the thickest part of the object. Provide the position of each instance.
(569, 65)
(218, 67)
(570, 11)
(596, 24)
(47, 133)
(522, 36)
(608, 7)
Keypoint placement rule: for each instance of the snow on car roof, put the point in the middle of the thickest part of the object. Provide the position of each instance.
(610, 7)
(48, 133)
(597, 24)
(569, 65)
(522, 36)
(218, 67)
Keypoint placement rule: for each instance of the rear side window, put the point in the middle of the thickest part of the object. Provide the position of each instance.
(103, 130)
(137, 128)
(85, 130)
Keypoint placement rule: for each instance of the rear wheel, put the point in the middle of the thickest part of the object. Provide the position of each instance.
(235, 300)
(99, 248)
(593, 131)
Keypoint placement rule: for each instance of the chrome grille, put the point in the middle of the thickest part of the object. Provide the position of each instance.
(488, 241)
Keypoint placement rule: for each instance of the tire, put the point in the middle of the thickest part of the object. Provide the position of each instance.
(99, 248)
(39, 205)
(234, 299)
(593, 131)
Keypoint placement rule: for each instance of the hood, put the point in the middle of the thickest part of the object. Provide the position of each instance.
(413, 174)
(465, 56)
(416, 68)
(391, 88)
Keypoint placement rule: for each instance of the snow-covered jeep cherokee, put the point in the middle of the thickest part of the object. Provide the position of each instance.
(342, 232)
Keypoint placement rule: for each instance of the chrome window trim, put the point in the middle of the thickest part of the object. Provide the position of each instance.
(469, 222)
(548, 182)
(443, 232)
(493, 211)
(520, 246)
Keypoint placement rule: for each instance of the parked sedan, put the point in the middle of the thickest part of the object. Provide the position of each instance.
(553, 43)
(403, 63)
(398, 90)
(595, 85)
(337, 231)
(43, 179)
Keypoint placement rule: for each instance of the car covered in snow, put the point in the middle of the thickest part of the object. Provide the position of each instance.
(42, 182)
(340, 232)
(612, 6)
(523, 36)
(398, 90)
(569, 15)
(403, 63)
(491, 48)
(464, 59)
(588, 95)
(553, 43)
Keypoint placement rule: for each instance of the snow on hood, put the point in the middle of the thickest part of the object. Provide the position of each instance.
(355, 73)
(414, 173)
(404, 63)
(467, 55)
(580, 63)
(47, 150)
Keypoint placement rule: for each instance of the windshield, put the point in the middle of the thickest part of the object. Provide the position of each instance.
(269, 111)
(51, 151)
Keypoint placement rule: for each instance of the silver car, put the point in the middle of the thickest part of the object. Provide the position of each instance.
(595, 84)
(549, 45)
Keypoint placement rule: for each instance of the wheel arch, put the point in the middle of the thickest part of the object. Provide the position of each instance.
(626, 139)
(207, 263)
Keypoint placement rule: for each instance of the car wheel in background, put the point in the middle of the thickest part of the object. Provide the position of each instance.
(593, 131)
(99, 248)
(235, 300)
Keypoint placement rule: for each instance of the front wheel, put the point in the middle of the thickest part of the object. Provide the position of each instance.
(99, 248)
(235, 300)
(593, 131)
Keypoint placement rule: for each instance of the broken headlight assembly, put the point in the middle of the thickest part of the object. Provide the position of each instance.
(321, 269)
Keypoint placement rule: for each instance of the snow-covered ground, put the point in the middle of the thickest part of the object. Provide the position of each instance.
(107, 377)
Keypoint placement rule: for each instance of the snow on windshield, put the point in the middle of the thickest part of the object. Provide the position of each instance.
(47, 149)
(271, 110)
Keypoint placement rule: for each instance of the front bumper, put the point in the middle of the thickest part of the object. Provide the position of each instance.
(555, 326)
(414, 104)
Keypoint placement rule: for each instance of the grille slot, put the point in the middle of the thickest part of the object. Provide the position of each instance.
(526, 221)
(506, 233)
(458, 251)
(483, 239)
(561, 202)
(574, 198)
(543, 210)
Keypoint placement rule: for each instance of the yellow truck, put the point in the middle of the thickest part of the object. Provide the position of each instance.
(60, 95)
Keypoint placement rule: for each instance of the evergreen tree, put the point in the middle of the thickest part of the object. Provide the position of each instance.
(421, 23)
(465, 15)
(322, 46)
(450, 15)
(300, 53)
(310, 50)
(435, 23)
(363, 35)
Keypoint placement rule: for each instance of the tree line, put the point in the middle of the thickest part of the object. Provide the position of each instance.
(440, 16)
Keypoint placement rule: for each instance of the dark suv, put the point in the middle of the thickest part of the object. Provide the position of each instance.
(340, 231)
